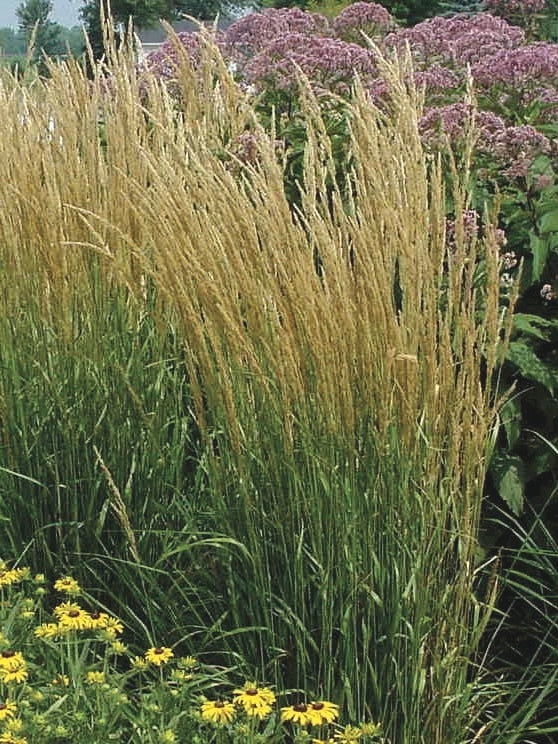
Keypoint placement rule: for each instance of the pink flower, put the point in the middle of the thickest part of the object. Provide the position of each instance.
(363, 17)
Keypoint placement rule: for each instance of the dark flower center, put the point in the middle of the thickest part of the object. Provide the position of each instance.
(317, 706)
(3, 706)
(8, 654)
(74, 613)
(96, 615)
(300, 707)
(251, 691)
(158, 650)
(219, 704)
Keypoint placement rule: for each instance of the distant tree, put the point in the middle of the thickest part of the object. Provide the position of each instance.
(408, 12)
(36, 26)
(469, 7)
(12, 43)
(144, 14)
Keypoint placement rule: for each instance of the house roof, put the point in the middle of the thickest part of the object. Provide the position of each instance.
(158, 35)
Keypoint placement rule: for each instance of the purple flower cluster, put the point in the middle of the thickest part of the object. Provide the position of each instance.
(452, 121)
(516, 148)
(250, 35)
(516, 82)
(330, 64)
(512, 148)
(360, 18)
(164, 62)
(524, 65)
(456, 41)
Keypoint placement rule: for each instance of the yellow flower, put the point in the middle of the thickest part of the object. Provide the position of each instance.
(98, 620)
(9, 576)
(349, 735)
(67, 585)
(15, 725)
(167, 737)
(138, 662)
(13, 667)
(64, 607)
(7, 710)
(158, 655)
(370, 729)
(95, 678)
(8, 738)
(256, 701)
(75, 618)
(188, 662)
(217, 711)
(117, 647)
(297, 713)
(179, 675)
(112, 627)
(322, 712)
(323, 741)
(62, 680)
(47, 630)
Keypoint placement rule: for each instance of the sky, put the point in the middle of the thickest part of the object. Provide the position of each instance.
(63, 11)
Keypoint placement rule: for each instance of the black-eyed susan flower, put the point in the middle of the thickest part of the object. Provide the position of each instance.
(47, 630)
(349, 735)
(158, 655)
(98, 620)
(64, 607)
(67, 585)
(112, 627)
(8, 738)
(8, 709)
(95, 678)
(75, 618)
(297, 714)
(217, 711)
(13, 667)
(9, 576)
(256, 701)
(322, 711)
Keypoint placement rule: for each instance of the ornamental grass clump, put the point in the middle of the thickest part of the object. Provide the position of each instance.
(264, 427)
(337, 361)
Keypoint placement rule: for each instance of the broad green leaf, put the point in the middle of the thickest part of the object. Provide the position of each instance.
(540, 248)
(533, 325)
(549, 221)
(508, 473)
(531, 366)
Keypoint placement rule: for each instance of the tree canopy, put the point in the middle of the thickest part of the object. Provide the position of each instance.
(143, 13)
(37, 27)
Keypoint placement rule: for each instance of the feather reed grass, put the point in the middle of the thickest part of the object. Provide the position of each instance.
(293, 407)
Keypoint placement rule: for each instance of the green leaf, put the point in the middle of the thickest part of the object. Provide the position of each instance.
(540, 248)
(508, 473)
(549, 222)
(530, 366)
(533, 325)
(510, 416)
